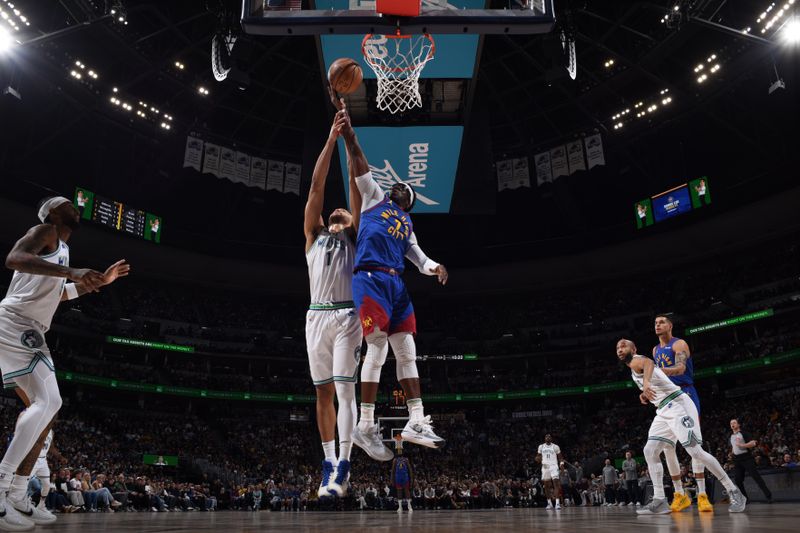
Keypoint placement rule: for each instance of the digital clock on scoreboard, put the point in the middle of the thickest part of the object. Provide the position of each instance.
(117, 215)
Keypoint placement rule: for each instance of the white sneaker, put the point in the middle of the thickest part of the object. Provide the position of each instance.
(410, 509)
(11, 519)
(549, 506)
(421, 432)
(370, 441)
(400, 508)
(34, 514)
(558, 506)
(630, 503)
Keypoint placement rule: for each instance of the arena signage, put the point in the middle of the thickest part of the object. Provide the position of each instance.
(426, 157)
(731, 321)
(140, 343)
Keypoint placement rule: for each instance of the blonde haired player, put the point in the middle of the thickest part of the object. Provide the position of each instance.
(676, 421)
(333, 331)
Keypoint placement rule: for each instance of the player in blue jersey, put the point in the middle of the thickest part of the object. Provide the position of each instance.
(402, 478)
(385, 238)
(673, 357)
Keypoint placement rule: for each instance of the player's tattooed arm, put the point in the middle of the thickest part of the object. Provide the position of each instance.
(24, 257)
(681, 356)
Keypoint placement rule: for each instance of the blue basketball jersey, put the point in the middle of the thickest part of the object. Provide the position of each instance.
(383, 236)
(401, 471)
(664, 357)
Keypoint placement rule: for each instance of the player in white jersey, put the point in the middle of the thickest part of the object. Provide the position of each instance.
(549, 455)
(676, 421)
(333, 330)
(40, 260)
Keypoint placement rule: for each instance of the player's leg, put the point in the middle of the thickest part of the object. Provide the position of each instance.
(659, 436)
(556, 480)
(680, 500)
(346, 356)
(547, 485)
(319, 342)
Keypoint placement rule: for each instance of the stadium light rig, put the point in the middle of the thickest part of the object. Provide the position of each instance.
(642, 108)
(118, 12)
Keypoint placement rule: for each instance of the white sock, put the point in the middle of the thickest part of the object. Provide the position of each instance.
(415, 410)
(701, 485)
(329, 448)
(19, 488)
(367, 416)
(558, 501)
(345, 447)
(678, 486)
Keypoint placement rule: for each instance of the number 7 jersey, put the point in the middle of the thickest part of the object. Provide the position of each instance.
(330, 267)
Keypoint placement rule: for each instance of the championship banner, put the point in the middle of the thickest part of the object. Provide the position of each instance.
(594, 150)
(227, 165)
(558, 160)
(425, 157)
(242, 168)
(211, 159)
(258, 172)
(575, 157)
(275, 176)
(193, 155)
(544, 172)
(505, 175)
(292, 184)
(522, 177)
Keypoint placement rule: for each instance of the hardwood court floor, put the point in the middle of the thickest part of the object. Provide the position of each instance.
(758, 518)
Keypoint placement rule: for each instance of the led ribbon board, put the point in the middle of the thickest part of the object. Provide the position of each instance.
(426, 157)
(676, 201)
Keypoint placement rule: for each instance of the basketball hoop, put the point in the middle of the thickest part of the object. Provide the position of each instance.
(397, 61)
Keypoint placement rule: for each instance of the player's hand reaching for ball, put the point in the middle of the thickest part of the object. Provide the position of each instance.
(441, 274)
(120, 269)
(338, 103)
(92, 280)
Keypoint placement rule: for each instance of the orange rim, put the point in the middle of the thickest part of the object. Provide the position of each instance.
(398, 35)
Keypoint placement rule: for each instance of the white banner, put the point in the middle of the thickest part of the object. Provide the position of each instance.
(575, 156)
(522, 177)
(193, 155)
(211, 159)
(505, 174)
(242, 168)
(258, 172)
(292, 179)
(594, 150)
(544, 173)
(558, 160)
(227, 164)
(275, 176)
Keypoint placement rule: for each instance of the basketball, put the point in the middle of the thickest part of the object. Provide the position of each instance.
(345, 75)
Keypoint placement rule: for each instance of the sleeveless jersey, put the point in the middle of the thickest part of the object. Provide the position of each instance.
(330, 268)
(401, 471)
(664, 357)
(383, 236)
(660, 383)
(36, 297)
(549, 454)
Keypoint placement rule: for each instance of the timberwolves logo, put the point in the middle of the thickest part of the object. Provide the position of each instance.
(687, 422)
(32, 339)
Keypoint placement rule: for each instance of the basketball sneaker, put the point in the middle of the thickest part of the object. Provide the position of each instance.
(370, 441)
(549, 506)
(558, 506)
(680, 502)
(11, 519)
(738, 501)
(421, 432)
(658, 506)
(339, 480)
(35, 514)
(327, 472)
(703, 505)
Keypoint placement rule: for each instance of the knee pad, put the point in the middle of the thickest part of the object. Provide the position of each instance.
(377, 349)
(652, 451)
(405, 352)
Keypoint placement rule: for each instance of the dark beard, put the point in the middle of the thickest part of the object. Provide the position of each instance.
(336, 219)
(623, 364)
(71, 223)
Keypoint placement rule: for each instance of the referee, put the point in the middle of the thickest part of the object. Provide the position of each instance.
(741, 443)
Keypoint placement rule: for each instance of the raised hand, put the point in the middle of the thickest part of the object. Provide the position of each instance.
(120, 269)
(92, 280)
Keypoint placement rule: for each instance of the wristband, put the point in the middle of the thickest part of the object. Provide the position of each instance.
(72, 291)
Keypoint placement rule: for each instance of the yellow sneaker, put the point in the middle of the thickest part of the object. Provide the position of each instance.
(703, 505)
(680, 502)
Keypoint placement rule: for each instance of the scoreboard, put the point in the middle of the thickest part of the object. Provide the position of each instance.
(117, 215)
(676, 201)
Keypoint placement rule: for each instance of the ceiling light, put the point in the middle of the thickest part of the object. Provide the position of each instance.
(791, 32)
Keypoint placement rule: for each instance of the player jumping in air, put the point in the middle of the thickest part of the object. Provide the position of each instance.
(676, 421)
(549, 455)
(385, 238)
(333, 331)
(40, 260)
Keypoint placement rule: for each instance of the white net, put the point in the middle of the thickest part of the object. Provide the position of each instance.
(397, 61)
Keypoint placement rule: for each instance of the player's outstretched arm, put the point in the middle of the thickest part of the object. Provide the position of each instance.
(682, 354)
(24, 257)
(312, 222)
(358, 168)
(425, 265)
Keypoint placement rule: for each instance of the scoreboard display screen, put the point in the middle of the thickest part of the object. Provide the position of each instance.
(118, 216)
(676, 201)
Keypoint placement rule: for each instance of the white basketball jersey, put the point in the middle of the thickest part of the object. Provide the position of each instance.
(46, 446)
(659, 382)
(549, 453)
(36, 297)
(330, 267)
